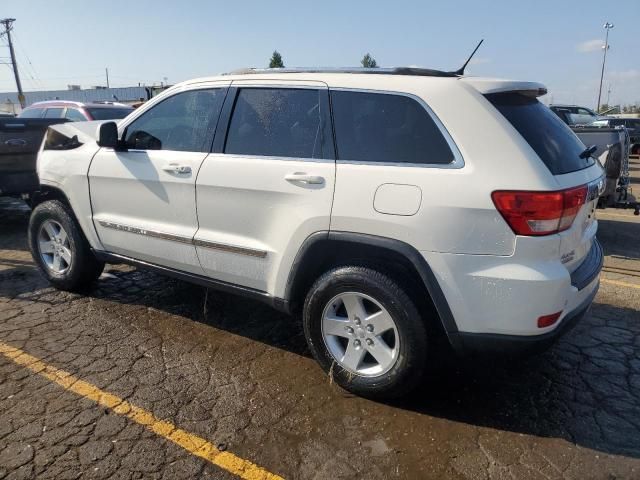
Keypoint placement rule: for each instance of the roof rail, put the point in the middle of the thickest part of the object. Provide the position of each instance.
(414, 71)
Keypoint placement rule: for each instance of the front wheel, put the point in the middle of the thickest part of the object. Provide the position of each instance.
(365, 332)
(59, 248)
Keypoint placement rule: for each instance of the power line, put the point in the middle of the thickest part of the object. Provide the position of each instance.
(34, 75)
(8, 22)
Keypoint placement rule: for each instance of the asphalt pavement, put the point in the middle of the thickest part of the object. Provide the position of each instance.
(150, 377)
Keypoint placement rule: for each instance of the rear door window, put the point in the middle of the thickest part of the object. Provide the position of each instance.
(54, 113)
(277, 122)
(386, 128)
(554, 142)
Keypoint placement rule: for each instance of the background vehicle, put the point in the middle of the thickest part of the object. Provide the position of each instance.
(632, 125)
(77, 111)
(325, 193)
(612, 146)
(20, 140)
(21, 137)
(575, 115)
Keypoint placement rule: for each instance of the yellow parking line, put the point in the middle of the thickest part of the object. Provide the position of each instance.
(630, 216)
(618, 282)
(191, 443)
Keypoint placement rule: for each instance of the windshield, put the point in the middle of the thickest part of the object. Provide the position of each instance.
(98, 113)
(554, 142)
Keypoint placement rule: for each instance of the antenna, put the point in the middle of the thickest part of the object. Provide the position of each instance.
(460, 71)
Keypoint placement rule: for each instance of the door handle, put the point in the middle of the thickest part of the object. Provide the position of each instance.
(300, 177)
(175, 168)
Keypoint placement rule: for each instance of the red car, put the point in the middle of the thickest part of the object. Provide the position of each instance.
(77, 111)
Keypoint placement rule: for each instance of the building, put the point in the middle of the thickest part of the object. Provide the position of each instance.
(9, 100)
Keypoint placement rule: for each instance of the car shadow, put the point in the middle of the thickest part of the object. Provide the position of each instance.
(582, 390)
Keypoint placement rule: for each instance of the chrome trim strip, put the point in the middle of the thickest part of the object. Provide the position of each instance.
(229, 248)
(179, 238)
(145, 232)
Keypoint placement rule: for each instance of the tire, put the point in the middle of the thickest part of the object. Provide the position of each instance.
(327, 302)
(54, 232)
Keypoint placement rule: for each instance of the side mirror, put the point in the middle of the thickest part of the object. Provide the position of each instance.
(108, 135)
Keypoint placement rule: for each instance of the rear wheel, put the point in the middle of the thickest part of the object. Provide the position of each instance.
(365, 332)
(59, 248)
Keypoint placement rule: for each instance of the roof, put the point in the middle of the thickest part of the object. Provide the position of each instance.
(70, 103)
(416, 71)
(400, 76)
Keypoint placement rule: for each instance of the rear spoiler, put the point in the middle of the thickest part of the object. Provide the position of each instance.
(493, 85)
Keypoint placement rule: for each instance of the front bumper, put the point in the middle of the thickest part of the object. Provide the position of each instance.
(18, 183)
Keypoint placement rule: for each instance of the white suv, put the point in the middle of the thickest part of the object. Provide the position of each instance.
(389, 207)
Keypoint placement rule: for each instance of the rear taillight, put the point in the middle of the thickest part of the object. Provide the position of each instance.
(540, 213)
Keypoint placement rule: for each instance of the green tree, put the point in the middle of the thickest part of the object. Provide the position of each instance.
(276, 60)
(368, 61)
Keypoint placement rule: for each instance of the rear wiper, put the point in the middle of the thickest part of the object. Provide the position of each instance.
(587, 152)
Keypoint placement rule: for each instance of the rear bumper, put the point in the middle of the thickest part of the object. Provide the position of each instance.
(496, 301)
(486, 344)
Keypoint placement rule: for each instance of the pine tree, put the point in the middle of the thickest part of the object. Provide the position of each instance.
(276, 60)
(368, 61)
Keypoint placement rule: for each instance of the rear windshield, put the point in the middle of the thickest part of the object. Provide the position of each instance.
(554, 142)
(108, 113)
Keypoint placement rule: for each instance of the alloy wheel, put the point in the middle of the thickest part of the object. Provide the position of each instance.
(54, 247)
(360, 334)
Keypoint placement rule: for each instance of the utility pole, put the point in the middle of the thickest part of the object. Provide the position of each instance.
(7, 22)
(607, 26)
(106, 70)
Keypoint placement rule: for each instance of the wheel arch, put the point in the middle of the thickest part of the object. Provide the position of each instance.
(324, 250)
(50, 192)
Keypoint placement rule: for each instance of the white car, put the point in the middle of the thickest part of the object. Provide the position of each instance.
(388, 207)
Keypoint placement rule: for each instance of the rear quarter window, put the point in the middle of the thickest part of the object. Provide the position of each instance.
(386, 128)
(552, 140)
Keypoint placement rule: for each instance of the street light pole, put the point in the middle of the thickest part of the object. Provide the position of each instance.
(607, 26)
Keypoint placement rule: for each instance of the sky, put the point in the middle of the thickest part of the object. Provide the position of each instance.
(558, 43)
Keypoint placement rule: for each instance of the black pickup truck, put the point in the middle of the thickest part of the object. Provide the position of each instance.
(20, 140)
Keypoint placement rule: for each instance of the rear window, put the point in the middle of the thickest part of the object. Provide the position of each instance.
(53, 113)
(387, 128)
(108, 113)
(554, 142)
